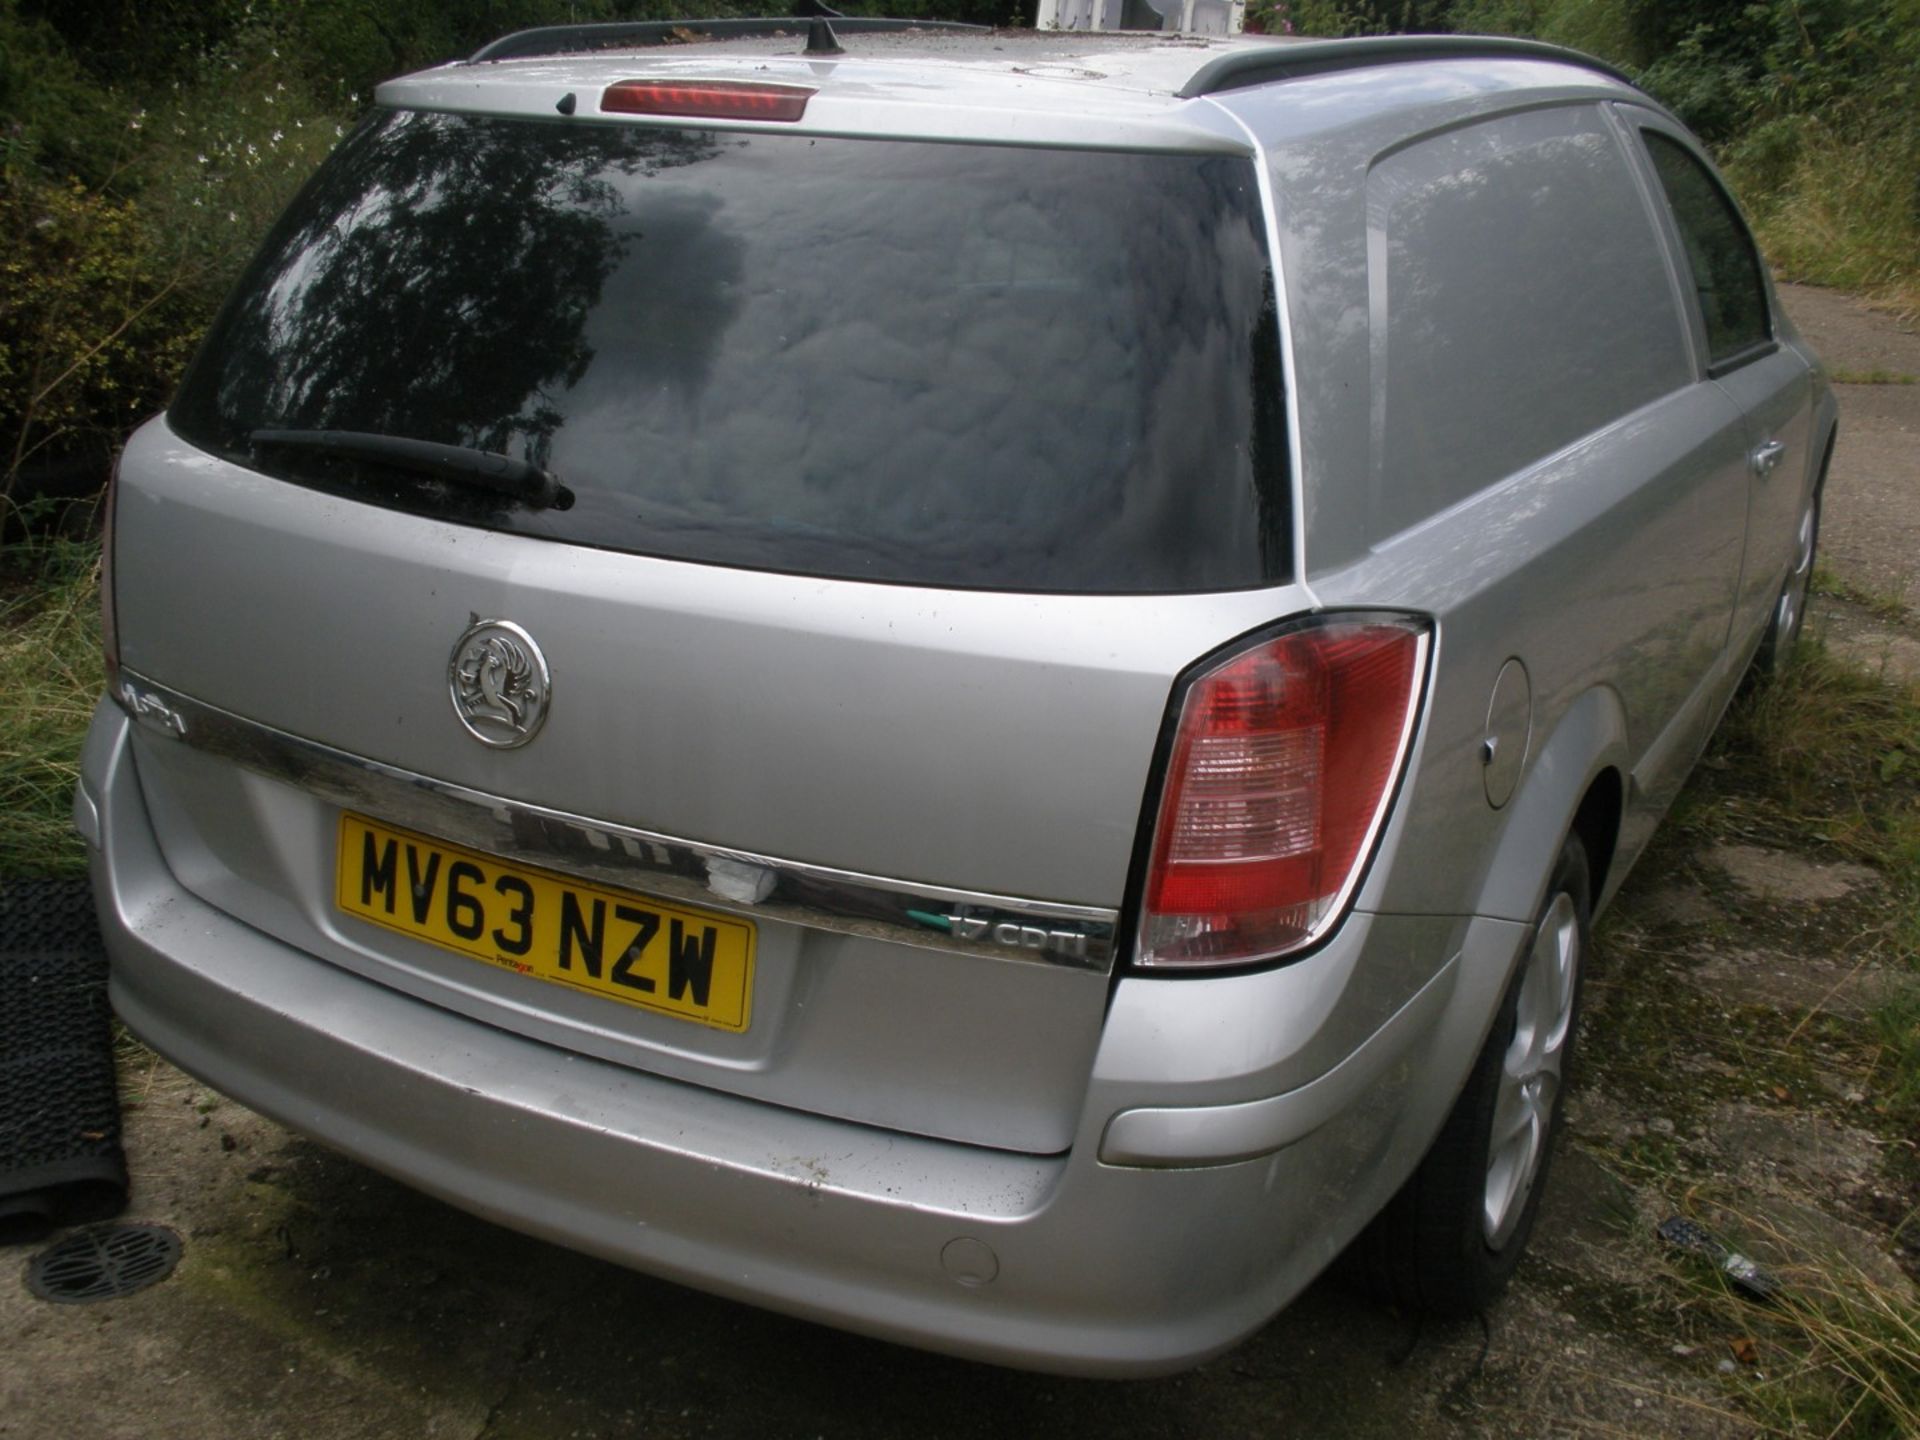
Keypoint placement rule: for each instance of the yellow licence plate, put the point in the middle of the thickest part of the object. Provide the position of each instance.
(681, 962)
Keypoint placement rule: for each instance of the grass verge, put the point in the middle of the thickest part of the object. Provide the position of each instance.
(1839, 213)
(1824, 765)
(50, 677)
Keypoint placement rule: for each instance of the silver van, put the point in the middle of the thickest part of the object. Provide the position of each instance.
(974, 685)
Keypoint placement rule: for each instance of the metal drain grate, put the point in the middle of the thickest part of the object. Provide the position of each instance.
(103, 1262)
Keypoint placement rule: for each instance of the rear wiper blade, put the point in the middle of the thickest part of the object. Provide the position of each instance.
(456, 464)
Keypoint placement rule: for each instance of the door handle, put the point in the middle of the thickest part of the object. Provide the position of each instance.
(1767, 457)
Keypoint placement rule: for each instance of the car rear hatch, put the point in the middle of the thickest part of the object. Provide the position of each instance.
(896, 484)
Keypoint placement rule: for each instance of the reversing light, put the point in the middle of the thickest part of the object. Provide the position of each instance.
(707, 99)
(1280, 773)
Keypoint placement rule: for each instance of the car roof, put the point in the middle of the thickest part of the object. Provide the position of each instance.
(1120, 91)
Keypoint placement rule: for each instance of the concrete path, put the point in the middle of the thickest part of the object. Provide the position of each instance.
(1870, 531)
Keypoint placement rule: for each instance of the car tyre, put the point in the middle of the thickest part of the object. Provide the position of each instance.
(1790, 608)
(1448, 1242)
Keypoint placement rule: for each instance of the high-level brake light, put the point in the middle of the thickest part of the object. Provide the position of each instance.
(707, 99)
(1280, 774)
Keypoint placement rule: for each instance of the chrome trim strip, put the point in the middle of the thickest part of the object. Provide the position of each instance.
(933, 917)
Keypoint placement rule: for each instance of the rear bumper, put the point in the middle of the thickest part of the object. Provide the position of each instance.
(1053, 1262)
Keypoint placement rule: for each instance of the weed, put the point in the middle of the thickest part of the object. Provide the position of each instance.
(1815, 757)
(49, 679)
(1844, 376)
(1824, 760)
(1898, 1023)
(1835, 1352)
(1843, 212)
(1880, 604)
(1835, 755)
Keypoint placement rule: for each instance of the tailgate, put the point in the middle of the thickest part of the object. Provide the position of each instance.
(864, 759)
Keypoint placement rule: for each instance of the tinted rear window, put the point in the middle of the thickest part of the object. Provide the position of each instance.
(949, 365)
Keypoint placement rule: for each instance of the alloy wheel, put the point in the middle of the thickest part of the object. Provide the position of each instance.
(1530, 1071)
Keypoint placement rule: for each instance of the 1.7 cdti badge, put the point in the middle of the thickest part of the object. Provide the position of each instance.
(499, 683)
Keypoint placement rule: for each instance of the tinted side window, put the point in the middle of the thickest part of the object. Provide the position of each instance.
(1726, 267)
(1520, 300)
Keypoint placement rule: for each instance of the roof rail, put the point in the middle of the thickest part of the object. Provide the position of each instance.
(637, 34)
(1285, 60)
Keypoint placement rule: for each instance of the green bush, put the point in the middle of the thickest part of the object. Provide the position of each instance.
(229, 149)
(94, 320)
(132, 203)
(145, 145)
(54, 117)
(1812, 105)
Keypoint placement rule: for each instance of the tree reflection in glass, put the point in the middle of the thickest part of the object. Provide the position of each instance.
(942, 364)
(355, 317)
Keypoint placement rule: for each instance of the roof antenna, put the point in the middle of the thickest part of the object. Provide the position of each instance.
(821, 40)
(820, 37)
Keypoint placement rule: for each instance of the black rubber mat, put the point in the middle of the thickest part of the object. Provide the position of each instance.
(60, 1157)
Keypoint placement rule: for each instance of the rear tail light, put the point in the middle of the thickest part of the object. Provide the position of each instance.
(707, 99)
(1280, 774)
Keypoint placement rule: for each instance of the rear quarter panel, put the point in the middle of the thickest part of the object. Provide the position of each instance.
(1607, 563)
